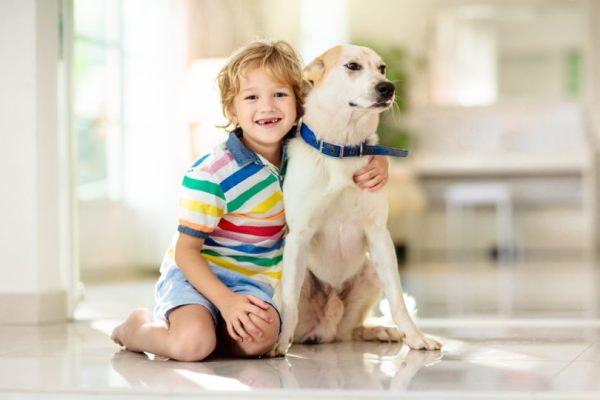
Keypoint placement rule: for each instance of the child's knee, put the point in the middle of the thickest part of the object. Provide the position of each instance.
(192, 345)
(270, 329)
(258, 347)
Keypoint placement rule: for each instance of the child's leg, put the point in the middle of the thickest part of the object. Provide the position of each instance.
(189, 336)
(259, 346)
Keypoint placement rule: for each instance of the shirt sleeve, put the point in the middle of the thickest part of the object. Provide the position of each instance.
(201, 204)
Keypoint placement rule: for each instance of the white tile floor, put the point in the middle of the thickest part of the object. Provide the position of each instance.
(486, 358)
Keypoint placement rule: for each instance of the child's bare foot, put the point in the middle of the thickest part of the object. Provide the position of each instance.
(122, 334)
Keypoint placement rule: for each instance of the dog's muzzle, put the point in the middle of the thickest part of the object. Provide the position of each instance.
(385, 92)
(384, 95)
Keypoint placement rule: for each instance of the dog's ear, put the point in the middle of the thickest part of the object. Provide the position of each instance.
(314, 72)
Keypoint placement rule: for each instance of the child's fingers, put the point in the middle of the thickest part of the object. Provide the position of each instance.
(371, 184)
(364, 171)
(365, 176)
(360, 172)
(358, 178)
(233, 333)
(372, 181)
(376, 187)
(239, 329)
(260, 313)
(258, 302)
(249, 326)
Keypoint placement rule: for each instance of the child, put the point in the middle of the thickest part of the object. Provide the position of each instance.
(218, 278)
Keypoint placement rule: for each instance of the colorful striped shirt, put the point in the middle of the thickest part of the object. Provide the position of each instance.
(232, 199)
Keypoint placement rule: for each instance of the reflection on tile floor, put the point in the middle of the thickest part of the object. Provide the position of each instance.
(516, 362)
(486, 357)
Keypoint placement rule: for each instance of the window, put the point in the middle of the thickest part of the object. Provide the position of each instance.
(98, 97)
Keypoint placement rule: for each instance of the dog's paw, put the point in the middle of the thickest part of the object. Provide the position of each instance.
(423, 358)
(377, 333)
(275, 352)
(311, 339)
(280, 348)
(420, 341)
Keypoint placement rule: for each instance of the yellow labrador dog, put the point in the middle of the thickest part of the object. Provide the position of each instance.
(338, 252)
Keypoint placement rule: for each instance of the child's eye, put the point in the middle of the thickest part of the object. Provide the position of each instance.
(251, 97)
(281, 94)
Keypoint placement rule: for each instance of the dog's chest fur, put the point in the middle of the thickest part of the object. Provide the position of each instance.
(338, 219)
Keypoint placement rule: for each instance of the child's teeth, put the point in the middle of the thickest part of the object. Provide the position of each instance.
(267, 121)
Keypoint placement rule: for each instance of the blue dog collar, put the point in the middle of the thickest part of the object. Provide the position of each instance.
(333, 150)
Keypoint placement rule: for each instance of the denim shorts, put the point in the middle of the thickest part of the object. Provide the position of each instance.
(174, 290)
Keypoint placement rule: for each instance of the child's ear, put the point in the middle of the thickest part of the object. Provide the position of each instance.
(233, 117)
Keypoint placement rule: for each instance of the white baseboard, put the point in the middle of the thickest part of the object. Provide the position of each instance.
(33, 308)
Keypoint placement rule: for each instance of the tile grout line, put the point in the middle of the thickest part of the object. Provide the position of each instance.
(560, 371)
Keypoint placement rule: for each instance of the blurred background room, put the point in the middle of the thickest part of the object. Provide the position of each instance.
(493, 213)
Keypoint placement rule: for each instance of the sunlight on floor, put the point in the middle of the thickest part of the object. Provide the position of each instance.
(486, 356)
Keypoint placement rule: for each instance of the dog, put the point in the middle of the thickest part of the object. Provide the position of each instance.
(338, 252)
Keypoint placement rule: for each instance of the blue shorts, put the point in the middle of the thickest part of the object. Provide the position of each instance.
(174, 290)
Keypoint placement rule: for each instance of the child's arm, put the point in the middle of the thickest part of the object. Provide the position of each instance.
(233, 307)
(374, 175)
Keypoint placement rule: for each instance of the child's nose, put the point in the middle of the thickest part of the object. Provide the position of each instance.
(268, 103)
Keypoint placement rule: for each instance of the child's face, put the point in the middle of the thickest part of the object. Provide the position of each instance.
(265, 109)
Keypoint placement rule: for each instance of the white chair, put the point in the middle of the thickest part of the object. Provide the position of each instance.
(461, 202)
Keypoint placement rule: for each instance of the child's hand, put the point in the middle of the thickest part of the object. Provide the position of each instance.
(236, 313)
(373, 175)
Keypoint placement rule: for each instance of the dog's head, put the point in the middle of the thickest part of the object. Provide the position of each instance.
(351, 76)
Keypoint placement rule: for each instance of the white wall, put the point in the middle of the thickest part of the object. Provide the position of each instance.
(32, 287)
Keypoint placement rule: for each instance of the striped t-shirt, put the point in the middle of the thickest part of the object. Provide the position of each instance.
(232, 199)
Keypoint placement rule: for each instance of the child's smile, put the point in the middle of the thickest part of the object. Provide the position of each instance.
(268, 122)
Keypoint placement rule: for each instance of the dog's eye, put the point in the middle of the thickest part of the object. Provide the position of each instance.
(382, 69)
(353, 66)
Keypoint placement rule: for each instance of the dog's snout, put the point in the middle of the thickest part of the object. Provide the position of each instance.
(385, 89)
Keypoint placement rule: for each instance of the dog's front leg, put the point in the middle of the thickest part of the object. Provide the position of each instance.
(295, 259)
(383, 256)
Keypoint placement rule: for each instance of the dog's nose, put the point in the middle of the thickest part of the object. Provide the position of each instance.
(385, 89)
